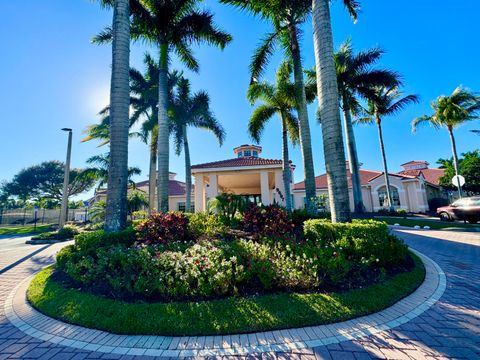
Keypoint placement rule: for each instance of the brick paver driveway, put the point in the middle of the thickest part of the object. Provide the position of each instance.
(449, 329)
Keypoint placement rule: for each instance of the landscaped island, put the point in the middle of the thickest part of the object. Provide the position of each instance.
(204, 274)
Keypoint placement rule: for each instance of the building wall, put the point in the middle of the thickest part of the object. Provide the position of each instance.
(412, 194)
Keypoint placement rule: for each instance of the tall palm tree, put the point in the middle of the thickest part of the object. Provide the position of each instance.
(450, 112)
(328, 101)
(386, 102)
(277, 99)
(116, 207)
(356, 78)
(172, 26)
(191, 110)
(144, 101)
(286, 16)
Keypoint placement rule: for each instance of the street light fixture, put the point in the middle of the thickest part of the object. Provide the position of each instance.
(66, 180)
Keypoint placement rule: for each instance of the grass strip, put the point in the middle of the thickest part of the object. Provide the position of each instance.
(23, 230)
(435, 225)
(225, 316)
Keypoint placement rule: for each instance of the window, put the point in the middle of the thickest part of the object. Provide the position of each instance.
(255, 153)
(247, 153)
(382, 196)
(181, 206)
(240, 154)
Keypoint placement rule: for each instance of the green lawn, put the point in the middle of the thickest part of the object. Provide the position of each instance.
(432, 223)
(22, 230)
(225, 316)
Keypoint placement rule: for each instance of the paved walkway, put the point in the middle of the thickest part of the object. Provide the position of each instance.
(448, 329)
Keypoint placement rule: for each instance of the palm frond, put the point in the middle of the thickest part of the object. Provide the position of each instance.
(103, 37)
(402, 103)
(423, 120)
(262, 55)
(258, 120)
(262, 90)
(353, 8)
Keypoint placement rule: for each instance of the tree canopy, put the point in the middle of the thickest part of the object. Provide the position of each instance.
(45, 181)
(469, 168)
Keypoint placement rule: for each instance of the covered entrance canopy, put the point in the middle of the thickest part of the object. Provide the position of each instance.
(260, 179)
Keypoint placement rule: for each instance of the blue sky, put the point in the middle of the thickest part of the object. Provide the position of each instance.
(53, 77)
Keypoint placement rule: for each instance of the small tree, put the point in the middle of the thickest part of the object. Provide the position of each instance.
(469, 167)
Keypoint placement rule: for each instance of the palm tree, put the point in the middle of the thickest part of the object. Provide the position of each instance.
(279, 99)
(99, 170)
(171, 25)
(385, 102)
(143, 100)
(450, 112)
(116, 206)
(191, 110)
(286, 16)
(328, 101)
(355, 78)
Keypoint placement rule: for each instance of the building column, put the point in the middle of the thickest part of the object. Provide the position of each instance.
(264, 188)
(199, 197)
(213, 186)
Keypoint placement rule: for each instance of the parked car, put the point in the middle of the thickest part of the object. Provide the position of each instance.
(463, 209)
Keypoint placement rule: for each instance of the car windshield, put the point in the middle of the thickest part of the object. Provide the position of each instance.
(461, 202)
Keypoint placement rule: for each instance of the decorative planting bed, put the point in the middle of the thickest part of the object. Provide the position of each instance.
(178, 275)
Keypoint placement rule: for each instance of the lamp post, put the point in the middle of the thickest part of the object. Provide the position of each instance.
(66, 180)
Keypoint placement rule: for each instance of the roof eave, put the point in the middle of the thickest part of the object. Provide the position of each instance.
(235, 168)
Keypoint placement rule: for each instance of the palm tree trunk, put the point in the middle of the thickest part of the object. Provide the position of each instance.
(188, 172)
(384, 159)
(304, 125)
(455, 157)
(287, 171)
(163, 132)
(152, 177)
(116, 207)
(329, 112)
(353, 158)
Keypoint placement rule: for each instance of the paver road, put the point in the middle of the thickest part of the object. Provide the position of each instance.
(449, 329)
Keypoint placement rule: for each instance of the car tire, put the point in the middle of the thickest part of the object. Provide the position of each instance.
(472, 221)
(445, 216)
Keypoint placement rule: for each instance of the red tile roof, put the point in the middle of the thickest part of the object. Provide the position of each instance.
(238, 162)
(415, 162)
(321, 180)
(431, 176)
(175, 187)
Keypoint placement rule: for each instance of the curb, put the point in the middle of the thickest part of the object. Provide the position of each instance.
(20, 313)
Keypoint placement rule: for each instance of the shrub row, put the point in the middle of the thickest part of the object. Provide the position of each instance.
(332, 256)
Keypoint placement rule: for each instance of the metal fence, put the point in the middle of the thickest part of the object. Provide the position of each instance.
(40, 216)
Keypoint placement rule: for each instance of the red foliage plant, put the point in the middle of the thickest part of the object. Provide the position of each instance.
(161, 228)
(270, 220)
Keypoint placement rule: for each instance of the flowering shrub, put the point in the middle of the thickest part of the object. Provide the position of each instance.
(161, 228)
(331, 257)
(270, 220)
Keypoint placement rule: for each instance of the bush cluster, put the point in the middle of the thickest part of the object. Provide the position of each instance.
(65, 233)
(175, 257)
(161, 228)
(269, 220)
